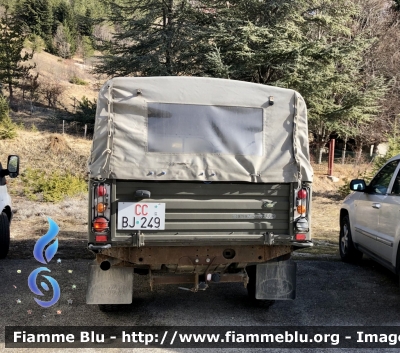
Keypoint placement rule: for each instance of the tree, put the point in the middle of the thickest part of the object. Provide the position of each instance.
(155, 38)
(37, 16)
(52, 92)
(85, 48)
(85, 23)
(381, 20)
(61, 43)
(307, 45)
(65, 17)
(14, 64)
(86, 112)
(7, 127)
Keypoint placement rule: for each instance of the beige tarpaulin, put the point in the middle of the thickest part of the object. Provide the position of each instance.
(205, 129)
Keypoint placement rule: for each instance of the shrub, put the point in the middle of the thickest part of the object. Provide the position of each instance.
(36, 43)
(344, 190)
(52, 91)
(51, 187)
(7, 127)
(86, 113)
(77, 81)
(393, 150)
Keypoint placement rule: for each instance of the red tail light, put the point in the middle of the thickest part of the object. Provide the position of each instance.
(302, 205)
(300, 237)
(302, 194)
(100, 224)
(101, 238)
(101, 190)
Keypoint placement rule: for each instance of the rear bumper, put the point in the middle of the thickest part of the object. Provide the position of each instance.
(144, 240)
(305, 244)
(191, 258)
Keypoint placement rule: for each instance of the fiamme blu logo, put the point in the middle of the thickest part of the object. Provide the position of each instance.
(44, 256)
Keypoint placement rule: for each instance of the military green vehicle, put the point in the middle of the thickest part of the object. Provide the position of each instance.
(195, 181)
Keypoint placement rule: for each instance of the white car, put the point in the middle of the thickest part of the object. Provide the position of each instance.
(370, 218)
(5, 203)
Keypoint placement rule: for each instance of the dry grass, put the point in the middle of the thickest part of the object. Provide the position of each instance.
(33, 149)
(57, 72)
(70, 215)
(58, 144)
(30, 218)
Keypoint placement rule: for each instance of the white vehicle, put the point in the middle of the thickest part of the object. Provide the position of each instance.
(369, 218)
(5, 203)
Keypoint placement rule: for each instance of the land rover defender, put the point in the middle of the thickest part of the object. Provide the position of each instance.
(195, 181)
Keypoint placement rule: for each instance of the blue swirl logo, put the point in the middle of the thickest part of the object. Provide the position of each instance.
(44, 256)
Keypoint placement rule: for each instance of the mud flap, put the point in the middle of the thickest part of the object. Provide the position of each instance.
(276, 280)
(114, 286)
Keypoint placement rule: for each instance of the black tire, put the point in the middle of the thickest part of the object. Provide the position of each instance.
(4, 235)
(251, 289)
(348, 252)
(109, 308)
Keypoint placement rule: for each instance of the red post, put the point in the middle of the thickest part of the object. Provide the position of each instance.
(331, 156)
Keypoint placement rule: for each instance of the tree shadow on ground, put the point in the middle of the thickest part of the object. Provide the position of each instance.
(332, 195)
(71, 245)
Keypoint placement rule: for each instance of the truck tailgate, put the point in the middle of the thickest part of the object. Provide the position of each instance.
(218, 212)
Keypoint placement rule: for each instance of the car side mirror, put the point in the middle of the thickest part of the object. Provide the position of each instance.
(13, 166)
(358, 185)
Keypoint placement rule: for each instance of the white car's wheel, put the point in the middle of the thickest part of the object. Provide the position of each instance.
(347, 250)
(4, 235)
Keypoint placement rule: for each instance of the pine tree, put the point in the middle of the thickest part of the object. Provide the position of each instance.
(85, 23)
(155, 37)
(63, 15)
(7, 127)
(307, 45)
(37, 16)
(13, 62)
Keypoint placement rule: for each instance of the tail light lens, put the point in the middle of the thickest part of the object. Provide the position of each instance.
(100, 224)
(101, 190)
(100, 216)
(101, 207)
(101, 238)
(301, 237)
(301, 209)
(301, 225)
(302, 201)
(302, 194)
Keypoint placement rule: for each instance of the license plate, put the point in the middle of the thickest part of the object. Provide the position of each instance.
(140, 215)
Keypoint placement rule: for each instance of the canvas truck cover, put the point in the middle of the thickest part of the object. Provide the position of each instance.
(199, 129)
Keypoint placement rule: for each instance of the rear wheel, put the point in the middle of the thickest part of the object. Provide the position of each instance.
(347, 250)
(4, 235)
(251, 288)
